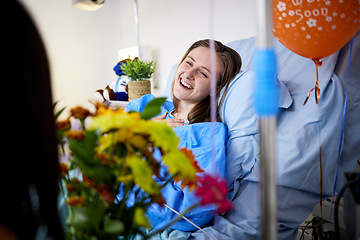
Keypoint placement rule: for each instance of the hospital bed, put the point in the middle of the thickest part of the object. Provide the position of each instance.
(303, 133)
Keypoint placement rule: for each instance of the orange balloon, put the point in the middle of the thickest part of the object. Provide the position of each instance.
(315, 28)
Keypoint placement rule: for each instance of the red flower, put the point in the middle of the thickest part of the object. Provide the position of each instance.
(212, 190)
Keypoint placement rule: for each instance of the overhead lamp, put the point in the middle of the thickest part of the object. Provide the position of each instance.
(89, 5)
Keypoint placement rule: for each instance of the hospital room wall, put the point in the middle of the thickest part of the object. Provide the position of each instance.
(82, 46)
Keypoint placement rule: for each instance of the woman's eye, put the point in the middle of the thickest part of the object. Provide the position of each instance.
(188, 63)
(203, 74)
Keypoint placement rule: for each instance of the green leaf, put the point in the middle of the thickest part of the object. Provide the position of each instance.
(57, 114)
(113, 227)
(138, 70)
(83, 152)
(98, 172)
(84, 218)
(153, 108)
(84, 148)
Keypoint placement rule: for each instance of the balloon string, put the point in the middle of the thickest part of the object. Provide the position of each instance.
(317, 89)
(308, 95)
(318, 64)
(321, 169)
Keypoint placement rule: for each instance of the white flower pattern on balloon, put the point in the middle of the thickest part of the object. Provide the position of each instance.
(281, 6)
(311, 22)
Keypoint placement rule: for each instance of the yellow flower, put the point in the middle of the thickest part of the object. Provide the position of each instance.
(142, 174)
(105, 141)
(101, 110)
(162, 136)
(123, 134)
(113, 119)
(125, 178)
(141, 126)
(140, 219)
(179, 164)
(138, 141)
(118, 160)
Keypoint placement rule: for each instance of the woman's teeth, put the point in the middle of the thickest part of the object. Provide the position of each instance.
(185, 84)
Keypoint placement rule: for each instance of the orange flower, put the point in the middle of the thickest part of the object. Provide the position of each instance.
(76, 201)
(187, 182)
(102, 108)
(64, 169)
(79, 112)
(75, 180)
(103, 157)
(70, 187)
(89, 182)
(97, 104)
(189, 154)
(75, 135)
(62, 125)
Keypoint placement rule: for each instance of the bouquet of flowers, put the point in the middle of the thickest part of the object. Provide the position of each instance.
(113, 150)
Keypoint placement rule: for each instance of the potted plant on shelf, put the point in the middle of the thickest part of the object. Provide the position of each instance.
(139, 72)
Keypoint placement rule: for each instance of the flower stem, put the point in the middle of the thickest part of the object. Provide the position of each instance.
(82, 121)
(166, 183)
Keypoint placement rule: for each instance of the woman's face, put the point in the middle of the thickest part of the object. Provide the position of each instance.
(192, 78)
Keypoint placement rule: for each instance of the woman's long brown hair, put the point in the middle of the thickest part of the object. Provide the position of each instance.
(230, 63)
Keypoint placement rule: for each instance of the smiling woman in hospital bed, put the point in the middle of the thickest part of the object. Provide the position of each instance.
(189, 114)
(301, 130)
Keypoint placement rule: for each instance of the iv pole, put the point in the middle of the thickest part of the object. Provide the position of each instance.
(266, 105)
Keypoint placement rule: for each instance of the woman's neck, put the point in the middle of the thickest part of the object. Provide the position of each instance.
(183, 110)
